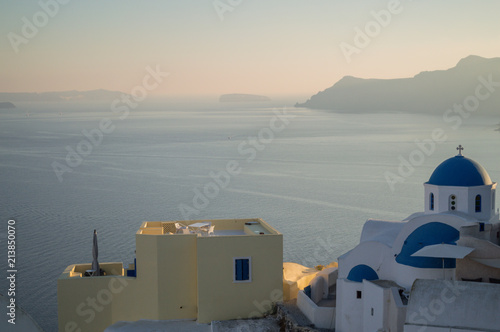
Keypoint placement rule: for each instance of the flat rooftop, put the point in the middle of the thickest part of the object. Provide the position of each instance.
(215, 228)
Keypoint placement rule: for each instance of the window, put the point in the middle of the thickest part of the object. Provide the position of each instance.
(453, 203)
(493, 201)
(481, 226)
(242, 269)
(431, 202)
(478, 203)
(358, 294)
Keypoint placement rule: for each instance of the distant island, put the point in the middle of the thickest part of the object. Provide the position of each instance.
(73, 95)
(7, 105)
(429, 91)
(241, 97)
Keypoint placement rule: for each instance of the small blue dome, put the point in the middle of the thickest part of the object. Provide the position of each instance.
(460, 171)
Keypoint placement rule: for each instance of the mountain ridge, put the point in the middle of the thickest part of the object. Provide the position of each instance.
(427, 91)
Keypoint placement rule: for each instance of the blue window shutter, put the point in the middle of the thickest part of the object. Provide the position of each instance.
(242, 269)
(239, 270)
(246, 269)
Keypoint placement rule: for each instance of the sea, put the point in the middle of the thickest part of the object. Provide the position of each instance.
(316, 176)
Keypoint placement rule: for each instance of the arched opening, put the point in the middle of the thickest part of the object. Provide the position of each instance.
(360, 272)
(426, 235)
(478, 203)
(431, 202)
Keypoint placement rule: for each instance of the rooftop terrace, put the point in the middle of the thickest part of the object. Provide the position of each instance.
(215, 228)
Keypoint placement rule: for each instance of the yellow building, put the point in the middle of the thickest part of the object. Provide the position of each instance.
(201, 270)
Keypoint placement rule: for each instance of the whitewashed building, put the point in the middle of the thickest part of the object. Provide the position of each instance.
(375, 279)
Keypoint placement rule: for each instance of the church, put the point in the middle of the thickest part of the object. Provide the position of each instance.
(460, 224)
(437, 270)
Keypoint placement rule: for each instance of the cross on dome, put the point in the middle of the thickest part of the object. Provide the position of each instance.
(460, 148)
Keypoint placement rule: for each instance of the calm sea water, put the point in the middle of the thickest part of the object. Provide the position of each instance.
(315, 177)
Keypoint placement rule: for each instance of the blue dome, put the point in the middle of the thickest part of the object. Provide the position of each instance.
(460, 171)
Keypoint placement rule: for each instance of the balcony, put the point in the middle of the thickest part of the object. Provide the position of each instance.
(78, 270)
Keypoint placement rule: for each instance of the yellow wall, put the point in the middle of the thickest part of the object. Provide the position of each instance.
(147, 278)
(219, 298)
(178, 277)
(177, 271)
(132, 298)
(87, 303)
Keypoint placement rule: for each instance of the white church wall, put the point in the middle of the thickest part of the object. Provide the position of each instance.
(465, 200)
(381, 258)
(396, 311)
(486, 205)
(368, 253)
(405, 275)
(442, 198)
(383, 308)
(383, 231)
(378, 308)
(349, 316)
(375, 307)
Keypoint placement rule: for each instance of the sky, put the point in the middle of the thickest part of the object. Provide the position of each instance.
(213, 47)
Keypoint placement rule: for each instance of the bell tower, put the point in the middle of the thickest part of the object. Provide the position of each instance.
(460, 184)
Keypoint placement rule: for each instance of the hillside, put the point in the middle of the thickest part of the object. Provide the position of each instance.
(429, 91)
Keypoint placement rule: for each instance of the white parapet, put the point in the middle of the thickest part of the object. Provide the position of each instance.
(321, 317)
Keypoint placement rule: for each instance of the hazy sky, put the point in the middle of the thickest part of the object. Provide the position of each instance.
(250, 46)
